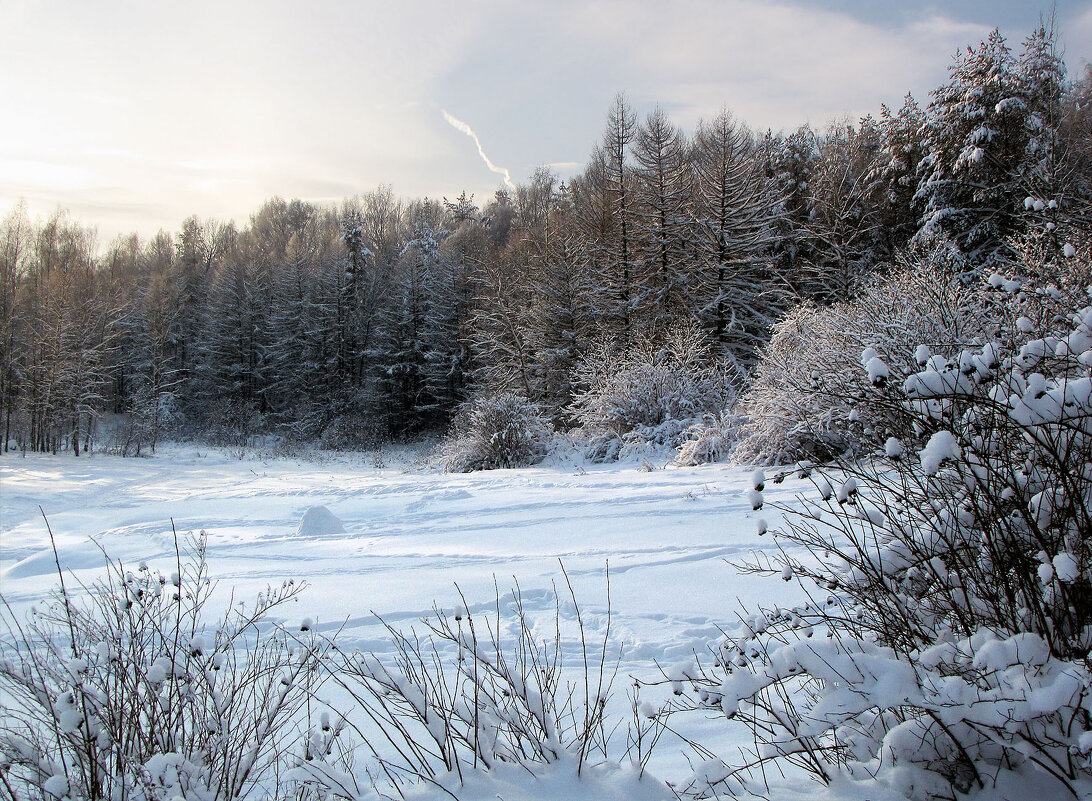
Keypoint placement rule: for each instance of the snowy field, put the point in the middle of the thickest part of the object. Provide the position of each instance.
(410, 535)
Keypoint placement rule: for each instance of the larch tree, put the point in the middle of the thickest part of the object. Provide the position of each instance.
(407, 317)
(738, 296)
(611, 182)
(843, 226)
(662, 219)
(16, 236)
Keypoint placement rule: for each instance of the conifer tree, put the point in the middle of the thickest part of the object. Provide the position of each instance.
(662, 218)
(976, 139)
(607, 193)
(893, 176)
(737, 294)
(788, 163)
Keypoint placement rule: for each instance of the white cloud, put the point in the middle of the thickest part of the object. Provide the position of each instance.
(778, 65)
(462, 127)
(1076, 38)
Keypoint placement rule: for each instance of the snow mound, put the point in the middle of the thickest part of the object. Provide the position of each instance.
(318, 521)
(43, 563)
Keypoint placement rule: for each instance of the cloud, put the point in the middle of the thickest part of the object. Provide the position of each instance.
(337, 96)
(1076, 36)
(459, 125)
(220, 164)
(773, 64)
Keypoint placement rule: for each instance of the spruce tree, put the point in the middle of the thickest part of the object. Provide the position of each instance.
(976, 139)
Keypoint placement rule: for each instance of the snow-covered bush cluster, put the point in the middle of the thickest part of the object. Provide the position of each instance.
(652, 390)
(232, 423)
(809, 398)
(354, 428)
(480, 693)
(712, 439)
(132, 693)
(495, 432)
(946, 648)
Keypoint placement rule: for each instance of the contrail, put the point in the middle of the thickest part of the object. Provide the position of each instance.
(459, 125)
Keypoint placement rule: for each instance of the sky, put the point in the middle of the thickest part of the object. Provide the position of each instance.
(135, 115)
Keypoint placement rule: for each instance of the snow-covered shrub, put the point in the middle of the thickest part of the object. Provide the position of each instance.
(151, 420)
(946, 648)
(495, 432)
(486, 692)
(155, 416)
(231, 423)
(351, 432)
(811, 400)
(710, 440)
(649, 390)
(130, 692)
(355, 419)
(1061, 254)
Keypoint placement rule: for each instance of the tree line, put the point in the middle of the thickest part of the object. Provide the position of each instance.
(379, 317)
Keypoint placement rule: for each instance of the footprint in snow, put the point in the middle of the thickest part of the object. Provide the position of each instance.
(451, 494)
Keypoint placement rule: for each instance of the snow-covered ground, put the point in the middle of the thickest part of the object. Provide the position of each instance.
(409, 535)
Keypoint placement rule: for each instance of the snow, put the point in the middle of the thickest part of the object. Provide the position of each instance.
(56, 786)
(942, 445)
(878, 372)
(410, 534)
(1066, 567)
(318, 521)
(758, 479)
(558, 780)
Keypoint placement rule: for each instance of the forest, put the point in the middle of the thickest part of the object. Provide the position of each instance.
(381, 318)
